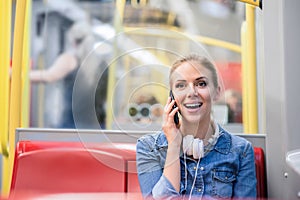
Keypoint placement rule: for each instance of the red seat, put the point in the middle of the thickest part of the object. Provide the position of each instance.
(55, 167)
(260, 172)
(67, 167)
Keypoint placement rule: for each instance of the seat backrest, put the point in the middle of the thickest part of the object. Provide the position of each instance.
(260, 172)
(74, 167)
(68, 168)
(125, 150)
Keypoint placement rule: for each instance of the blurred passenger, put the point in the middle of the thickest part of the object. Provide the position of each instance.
(196, 157)
(234, 101)
(65, 68)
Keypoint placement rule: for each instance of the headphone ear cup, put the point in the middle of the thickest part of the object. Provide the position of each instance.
(198, 148)
(193, 147)
(187, 144)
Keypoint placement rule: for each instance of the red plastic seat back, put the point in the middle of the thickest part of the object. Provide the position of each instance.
(260, 172)
(68, 169)
(72, 167)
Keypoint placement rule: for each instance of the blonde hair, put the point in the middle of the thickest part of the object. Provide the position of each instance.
(195, 58)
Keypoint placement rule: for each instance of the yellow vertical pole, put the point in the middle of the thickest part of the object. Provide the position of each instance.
(157, 75)
(25, 106)
(41, 92)
(248, 32)
(251, 58)
(5, 47)
(15, 94)
(245, 77)
(120, 6)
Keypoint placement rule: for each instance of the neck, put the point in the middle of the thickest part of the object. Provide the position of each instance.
(203, 130)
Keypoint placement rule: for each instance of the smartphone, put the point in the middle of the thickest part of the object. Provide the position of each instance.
(176, 118)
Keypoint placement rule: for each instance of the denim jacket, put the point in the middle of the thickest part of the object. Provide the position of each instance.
(227, 171)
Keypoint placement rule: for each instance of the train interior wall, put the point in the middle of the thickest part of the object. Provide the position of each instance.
(282, 100)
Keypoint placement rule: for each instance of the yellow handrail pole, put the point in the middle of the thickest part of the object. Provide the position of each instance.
(120, 6)
(205, 40)
(15, 94)
(257, 3)
(26, 64)
(244, 77)
(251, 59)
(219, 43)
(5, 47)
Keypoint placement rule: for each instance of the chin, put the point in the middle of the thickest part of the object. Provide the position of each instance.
(193, 119)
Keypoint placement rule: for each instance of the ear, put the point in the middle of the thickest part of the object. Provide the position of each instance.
(217, 93)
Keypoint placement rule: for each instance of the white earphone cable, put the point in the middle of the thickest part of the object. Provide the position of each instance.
(196, 173)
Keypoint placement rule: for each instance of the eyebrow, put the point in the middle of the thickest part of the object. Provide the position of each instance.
(201, 77)
(197, 79)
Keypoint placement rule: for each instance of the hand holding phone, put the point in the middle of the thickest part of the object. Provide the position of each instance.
(176, 118)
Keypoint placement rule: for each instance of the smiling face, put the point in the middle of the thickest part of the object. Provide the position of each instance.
(195, 88)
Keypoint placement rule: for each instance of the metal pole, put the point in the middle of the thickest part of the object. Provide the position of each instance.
(15, 94)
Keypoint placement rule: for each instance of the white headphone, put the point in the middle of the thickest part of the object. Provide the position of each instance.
(193, 146)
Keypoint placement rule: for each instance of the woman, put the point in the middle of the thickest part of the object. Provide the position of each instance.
(196, 157)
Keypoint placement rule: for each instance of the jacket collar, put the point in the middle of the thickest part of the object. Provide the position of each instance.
(223, 145)
(224, 142)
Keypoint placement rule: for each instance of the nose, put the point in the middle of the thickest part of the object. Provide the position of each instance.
(192, 90)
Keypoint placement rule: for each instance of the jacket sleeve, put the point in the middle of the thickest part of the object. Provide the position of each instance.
(150, 172)
(245, 186)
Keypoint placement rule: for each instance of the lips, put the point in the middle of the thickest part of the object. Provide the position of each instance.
(193, 105)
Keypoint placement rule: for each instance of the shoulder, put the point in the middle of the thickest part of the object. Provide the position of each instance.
(152, 141)
(236, 143)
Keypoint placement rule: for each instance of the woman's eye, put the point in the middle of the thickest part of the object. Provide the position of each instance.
(180, 85)
(201, 84)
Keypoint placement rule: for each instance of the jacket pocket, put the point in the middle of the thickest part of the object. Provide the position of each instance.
(223, 182)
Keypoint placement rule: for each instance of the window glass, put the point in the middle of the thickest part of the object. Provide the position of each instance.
(120, 80)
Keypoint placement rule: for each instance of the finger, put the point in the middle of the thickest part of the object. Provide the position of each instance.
(168, 100)
(169, 106)
(168, 110)
(170, 118)
(173, 112)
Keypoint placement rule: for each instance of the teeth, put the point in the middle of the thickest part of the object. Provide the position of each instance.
(193, 105)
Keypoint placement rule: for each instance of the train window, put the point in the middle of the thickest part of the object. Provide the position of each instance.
(120, 79)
